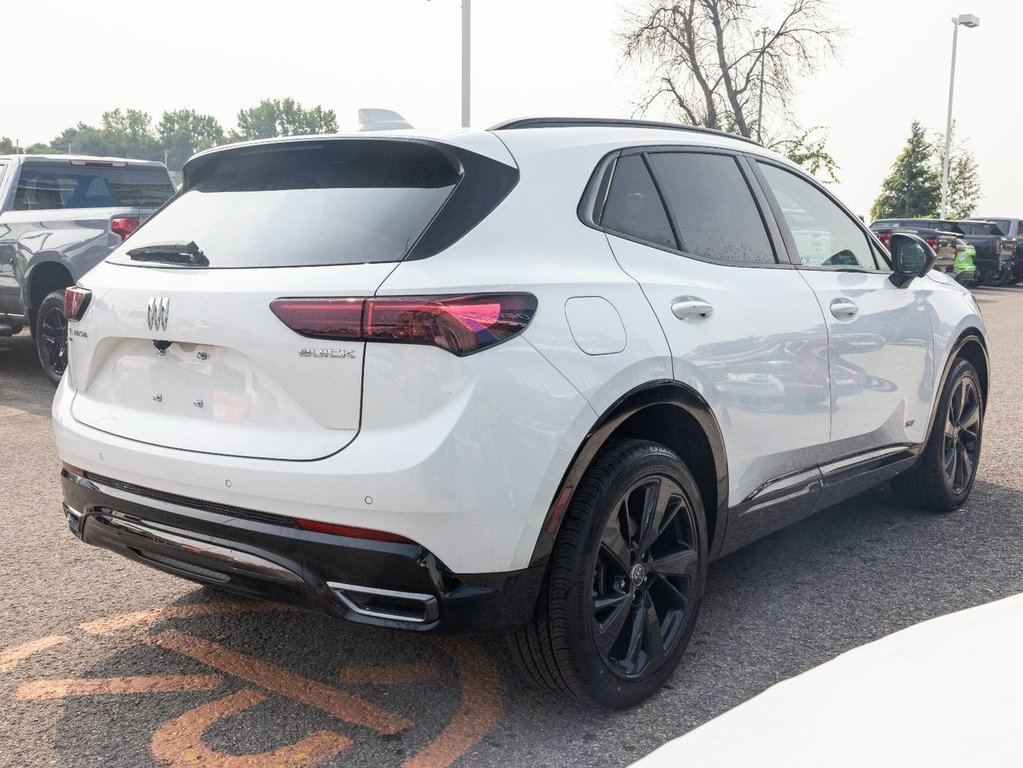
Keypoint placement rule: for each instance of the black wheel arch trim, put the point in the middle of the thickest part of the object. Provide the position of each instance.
(970, 337)
(654, 393)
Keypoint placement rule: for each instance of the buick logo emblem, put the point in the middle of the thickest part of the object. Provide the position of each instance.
(157, 313)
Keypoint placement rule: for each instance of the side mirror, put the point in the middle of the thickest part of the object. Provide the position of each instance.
(911, 257)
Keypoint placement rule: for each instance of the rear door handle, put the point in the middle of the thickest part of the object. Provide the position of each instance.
(688, 307)
(844, 309)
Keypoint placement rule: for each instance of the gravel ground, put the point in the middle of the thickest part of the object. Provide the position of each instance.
(201, 676)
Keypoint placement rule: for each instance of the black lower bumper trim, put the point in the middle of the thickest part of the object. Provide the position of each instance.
(397, 585)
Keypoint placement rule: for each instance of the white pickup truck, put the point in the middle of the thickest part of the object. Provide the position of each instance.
(60, 215)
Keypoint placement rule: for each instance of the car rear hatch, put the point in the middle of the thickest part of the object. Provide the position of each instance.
(179, 346)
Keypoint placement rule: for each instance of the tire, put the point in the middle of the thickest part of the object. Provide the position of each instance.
(51, 336)
(943, 477)
(648, 587)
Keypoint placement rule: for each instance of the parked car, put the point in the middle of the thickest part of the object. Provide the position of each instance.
(1013, 228)
(61, 215)
(995, 253)
(533, 378)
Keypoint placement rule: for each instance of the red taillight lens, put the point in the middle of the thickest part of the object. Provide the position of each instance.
(932, 241)
(339, 319)
(76, 301)
(351, 531)
(124, 226)
(883, 237)
(460, 324)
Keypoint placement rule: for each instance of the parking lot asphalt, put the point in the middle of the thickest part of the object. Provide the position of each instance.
(107, 663)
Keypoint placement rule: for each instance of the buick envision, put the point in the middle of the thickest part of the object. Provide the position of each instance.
(529, 379)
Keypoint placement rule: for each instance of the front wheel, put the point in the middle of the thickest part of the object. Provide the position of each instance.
(625, 582)
(943, 477)
(51, 336)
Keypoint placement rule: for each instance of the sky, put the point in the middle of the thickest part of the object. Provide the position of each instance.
(529, 57)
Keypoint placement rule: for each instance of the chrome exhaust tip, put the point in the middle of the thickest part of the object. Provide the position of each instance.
(387, 604)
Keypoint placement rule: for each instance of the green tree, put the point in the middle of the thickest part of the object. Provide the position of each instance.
(913, 188)
(183, 132)
(6, 146)
(121, 134)
(809, 150)
(277, 117)
(964, 189)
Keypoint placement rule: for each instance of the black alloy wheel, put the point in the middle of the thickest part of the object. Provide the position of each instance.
(961, 438)
(625, 580)
(943, 476)
(644, 577)
(51, 336)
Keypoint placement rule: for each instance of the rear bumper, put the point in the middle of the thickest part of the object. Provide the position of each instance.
(395, 585)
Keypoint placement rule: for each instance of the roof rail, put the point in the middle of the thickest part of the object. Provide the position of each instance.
(609, 122)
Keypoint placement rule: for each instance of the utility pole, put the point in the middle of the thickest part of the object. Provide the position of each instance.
(760, 106)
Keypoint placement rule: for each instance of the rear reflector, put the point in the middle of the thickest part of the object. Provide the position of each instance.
(351, 531)
(76, 301)
(124, 226)
(460, 324)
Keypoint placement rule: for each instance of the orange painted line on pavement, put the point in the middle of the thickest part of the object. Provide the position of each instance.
(178, 743)
(326, 698)
(482, 703)
(10, 657)
(142, 618)
(395, 674)
(39, 690)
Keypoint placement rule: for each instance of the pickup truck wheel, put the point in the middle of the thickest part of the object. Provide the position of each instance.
(625, 581)
(51, 335)
(943, 477)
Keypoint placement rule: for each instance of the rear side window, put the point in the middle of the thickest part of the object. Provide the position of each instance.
(714, 210)
(50, 186)
(634, 208)
(307, 204)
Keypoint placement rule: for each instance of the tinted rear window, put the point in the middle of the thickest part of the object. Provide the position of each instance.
(51, 186)
(634, 208)
(287, 205)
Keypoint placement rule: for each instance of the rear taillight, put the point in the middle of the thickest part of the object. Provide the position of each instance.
(883, 237)
(460, 324)
(351, 531)
(124, 225)
(933, 242)
(76, 301)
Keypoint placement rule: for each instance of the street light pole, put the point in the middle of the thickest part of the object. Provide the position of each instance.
(465, 62)
(970, 21)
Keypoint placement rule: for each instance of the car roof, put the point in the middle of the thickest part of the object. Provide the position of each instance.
(544, 134)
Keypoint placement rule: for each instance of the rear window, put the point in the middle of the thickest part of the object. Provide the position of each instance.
(308, 204)
(53, 186)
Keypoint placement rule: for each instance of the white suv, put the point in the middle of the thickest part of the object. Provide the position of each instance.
(532, 378)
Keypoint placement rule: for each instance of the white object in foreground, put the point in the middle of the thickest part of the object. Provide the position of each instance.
(945, 692)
